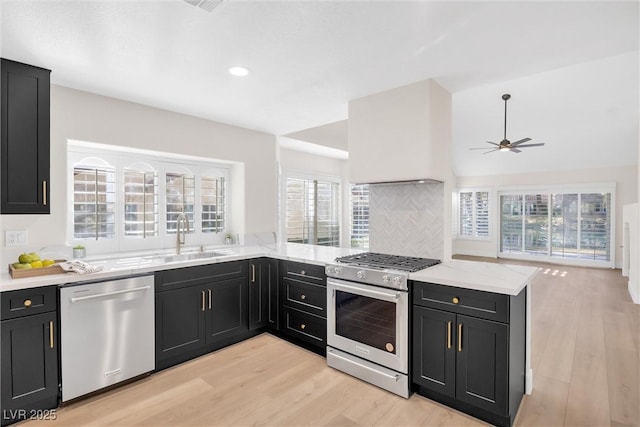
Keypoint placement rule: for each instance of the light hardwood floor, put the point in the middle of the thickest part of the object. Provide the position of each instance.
(585, 338)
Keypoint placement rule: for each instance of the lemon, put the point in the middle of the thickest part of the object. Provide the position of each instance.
(34, 256)
(36, 264)
(21, 266)
(48, 262)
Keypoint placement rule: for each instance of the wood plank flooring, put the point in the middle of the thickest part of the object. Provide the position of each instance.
(585, 337)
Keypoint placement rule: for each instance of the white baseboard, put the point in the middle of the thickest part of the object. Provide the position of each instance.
(486, 254)
(633, 291)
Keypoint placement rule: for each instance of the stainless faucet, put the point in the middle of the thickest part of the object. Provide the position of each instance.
(180, 235)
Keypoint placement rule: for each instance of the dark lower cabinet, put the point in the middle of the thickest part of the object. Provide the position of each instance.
(29, 354)
(199, 309)
(471, 363)
(263, 293)
(24, 126)
(303, 305)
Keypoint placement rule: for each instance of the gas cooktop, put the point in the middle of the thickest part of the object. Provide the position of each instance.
(384, 261)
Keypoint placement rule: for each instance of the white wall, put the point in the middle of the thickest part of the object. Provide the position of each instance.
(630, 250)
(306, 163)
(89, 117)
(626, 179)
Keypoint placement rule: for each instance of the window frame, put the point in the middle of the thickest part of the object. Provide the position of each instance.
(365, 244)
(286, 175)
(490, 214)
(120, 158)
(585, 188)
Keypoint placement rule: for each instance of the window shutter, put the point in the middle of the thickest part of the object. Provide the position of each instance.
(360, 216)
(180, 192)
(212, 198)
(140, 204)
(482, 214)
(93, 203)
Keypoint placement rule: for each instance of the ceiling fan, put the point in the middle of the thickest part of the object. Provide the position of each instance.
(505, 144)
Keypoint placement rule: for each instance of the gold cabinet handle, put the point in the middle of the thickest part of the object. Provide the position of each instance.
(202, 300)
(253, 273)
(209, 290)
(449, 334)
(303, 326)
(51, 333)
(460, 337)
(27, 302)
(44, 193)
(455, 300)
(303, 272)
(303, 296)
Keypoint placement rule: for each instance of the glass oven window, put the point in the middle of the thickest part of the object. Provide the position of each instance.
(366, 320)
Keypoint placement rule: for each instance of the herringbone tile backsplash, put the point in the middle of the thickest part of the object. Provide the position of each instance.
(407, 219)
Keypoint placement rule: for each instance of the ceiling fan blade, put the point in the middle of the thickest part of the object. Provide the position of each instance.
(478, 148)
(540, 144)
(493, 143)
(515, 150)
(490, 151)
(520, 141)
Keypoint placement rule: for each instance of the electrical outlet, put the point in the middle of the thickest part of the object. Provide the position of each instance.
(15, 238)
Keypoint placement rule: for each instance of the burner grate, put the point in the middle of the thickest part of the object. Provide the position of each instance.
(396, 262)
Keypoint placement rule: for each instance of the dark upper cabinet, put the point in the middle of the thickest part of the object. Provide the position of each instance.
(263, 293)
(24, 124)
(29, 352)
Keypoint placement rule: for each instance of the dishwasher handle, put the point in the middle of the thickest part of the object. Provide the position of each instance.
(106, 294)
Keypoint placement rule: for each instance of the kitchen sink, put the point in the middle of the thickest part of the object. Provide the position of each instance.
(195, 255)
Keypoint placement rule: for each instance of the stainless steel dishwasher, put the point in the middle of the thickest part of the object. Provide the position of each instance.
(107, 333)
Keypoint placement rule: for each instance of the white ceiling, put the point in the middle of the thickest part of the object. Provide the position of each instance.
(571, 67)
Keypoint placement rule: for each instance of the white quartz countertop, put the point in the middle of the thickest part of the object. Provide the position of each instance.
(490, 277)
(483, 276)
(115, 266)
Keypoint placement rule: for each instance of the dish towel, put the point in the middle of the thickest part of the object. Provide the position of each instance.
(80, 267)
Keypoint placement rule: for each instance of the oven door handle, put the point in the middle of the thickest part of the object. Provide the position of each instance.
(385, 296)
(360, 365)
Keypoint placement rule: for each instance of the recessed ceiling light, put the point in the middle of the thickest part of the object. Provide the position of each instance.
(239, 71)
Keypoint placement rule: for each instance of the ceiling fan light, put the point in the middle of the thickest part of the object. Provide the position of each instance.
(503, 148)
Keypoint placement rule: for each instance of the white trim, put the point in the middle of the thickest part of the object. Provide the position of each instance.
(633, 292)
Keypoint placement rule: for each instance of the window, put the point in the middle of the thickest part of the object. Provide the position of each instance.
(93, 203)
(473, 213)
(360, 216)
(126, 199)
(312, 212)
(140, 203)
(212, 201)
(180, 197)
(562, 225)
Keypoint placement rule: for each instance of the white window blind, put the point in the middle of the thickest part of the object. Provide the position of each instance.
(563, 225)
(140, 203)
(93, 203)
(473, 213)
(360, 216)
(212, 197)
(180, 193)
(312, 212)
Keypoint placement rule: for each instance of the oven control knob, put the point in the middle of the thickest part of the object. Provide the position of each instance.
(397, 280)
(386, 278)
(337, 270)
(360, 274)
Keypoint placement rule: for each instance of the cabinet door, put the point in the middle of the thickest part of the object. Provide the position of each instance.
(258, 293)
(226, 309)
(434, 351)
(29, 363)
(482, 364)
(272, 288)
(180, 321)
(25, 143)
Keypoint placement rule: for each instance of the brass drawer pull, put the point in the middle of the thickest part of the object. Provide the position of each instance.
(455, 300)
(303, 296)
(253, 273)
(51, 333)
(460, 337)
(44, 193)
(203, 298)
(27, 302)
(303, 272)
(302, 326)
(209, 290)
(449, 344)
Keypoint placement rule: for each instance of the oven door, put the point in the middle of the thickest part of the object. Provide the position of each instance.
(369, 322)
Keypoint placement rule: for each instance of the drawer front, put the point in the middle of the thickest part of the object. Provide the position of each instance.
(304, 326)
(305, 296)
(302, 271)
(26, 302)
(484, 305)
(200, 274)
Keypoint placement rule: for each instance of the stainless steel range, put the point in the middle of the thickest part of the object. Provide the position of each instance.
(368, 317)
